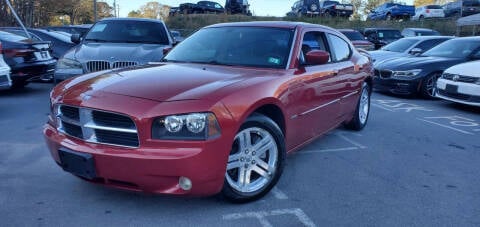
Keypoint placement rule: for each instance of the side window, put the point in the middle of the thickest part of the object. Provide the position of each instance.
(313, 41)
(340, 48)
(428, 44)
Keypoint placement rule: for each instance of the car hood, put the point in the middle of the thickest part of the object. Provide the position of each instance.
(141, 53)
(164, 82)
(379, 55)
(466, 69)
(420, 62)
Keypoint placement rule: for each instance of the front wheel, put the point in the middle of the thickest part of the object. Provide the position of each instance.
(256, 160)
(362, 111)
(428, 85)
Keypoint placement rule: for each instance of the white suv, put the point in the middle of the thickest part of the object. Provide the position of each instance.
(461, 83)
(5, 81)
(428, 11)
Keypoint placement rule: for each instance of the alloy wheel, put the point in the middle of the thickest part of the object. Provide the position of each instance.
(364, 107)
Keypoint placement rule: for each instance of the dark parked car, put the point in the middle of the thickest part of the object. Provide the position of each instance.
(219, 115)
(462, 8)
(412, 32)
(407, 46)
(335, 8)
(306, 8)
(81, 29)
(29, 60)
(412, 75)
(238, 7)
(60, 42)
(201, 7)
(115, 43)
(177, 36)
(390, 11)
(382, 36)
(358, 40)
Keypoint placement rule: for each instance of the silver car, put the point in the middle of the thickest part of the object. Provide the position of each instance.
(5, 81)
(115, 43)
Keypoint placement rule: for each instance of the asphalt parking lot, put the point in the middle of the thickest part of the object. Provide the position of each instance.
(415, 164)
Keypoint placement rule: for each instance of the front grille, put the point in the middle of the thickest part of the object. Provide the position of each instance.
(454, 95)
(94, 66)
(97, 126)
(460, 78)
(383, 73)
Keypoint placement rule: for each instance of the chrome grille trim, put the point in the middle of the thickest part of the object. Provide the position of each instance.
(99, 65)
(88, 128)
(460, 78)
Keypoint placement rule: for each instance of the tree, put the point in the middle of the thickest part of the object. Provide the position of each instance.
(134, 13)
(152, 10)
(423, 2)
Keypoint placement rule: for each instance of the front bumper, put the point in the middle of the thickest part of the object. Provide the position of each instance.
(33, 71)
(465, 93)
(397, 85)
(150, 169)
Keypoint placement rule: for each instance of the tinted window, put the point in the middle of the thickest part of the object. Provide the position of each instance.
(426, 33)
(128, 32)
(400, 45)
(340, 48)
(454, 48)
(434, 7)
(242, 46)
(428, 44)
(471, 3)
(354, 35)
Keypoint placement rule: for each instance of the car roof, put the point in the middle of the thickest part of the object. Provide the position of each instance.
(419, 29)
(131, 19)
(428, 37)
(271, 24)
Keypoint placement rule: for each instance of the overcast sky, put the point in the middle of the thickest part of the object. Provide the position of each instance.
(259, 7)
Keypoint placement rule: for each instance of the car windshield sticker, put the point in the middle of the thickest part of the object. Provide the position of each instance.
(99, 28)
(380, 35)
(275, 61)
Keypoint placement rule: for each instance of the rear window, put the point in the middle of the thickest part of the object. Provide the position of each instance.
(389, 34)
(426, 33)
(400, 45)
(6, 36)
(354, 35)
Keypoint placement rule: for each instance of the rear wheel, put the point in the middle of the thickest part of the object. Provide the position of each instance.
(256, 160)
(428, 85)
(362, 111)
(18, 85)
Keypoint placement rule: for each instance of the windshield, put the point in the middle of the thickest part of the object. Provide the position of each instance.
(354, 35)
(455, 48)
(389, 34)
(119, 31)
(426, 33)
(471, 3)
(240, 46)
(400, 45)
(434, 7)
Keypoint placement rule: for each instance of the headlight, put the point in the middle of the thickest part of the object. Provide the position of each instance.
(408, 73)
(193, 126)
(65, 63)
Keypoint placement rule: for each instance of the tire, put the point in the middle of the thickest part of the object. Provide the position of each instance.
(19, 85)
(362, 111)
(261, 170)
(428, 85)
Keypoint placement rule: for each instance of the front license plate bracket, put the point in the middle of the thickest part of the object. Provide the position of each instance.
(80, 164)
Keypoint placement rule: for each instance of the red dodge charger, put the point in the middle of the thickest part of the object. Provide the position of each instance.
(218, 114)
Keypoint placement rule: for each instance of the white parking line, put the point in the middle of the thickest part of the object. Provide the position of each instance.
(446, 126)
(261, 216)
(279, 194)
(328, 150)
(382, 107)
(350, 141)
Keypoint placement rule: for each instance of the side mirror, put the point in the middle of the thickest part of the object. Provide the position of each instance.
(75, 38)
(317, 57)
(415, 51)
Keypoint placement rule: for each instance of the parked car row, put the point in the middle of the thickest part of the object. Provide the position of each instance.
(203, 7)
(325, 8)
(418, 74)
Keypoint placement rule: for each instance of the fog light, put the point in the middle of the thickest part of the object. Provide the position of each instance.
(185, 183)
